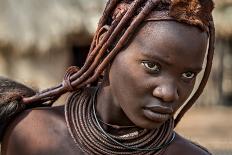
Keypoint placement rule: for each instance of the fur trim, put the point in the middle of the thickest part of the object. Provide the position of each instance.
(193, 12)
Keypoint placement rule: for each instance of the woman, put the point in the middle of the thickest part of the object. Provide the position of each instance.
(150, 52)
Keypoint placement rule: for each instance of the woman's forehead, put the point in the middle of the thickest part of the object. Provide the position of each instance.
(172, 40)
(171, 32)
(169, 27)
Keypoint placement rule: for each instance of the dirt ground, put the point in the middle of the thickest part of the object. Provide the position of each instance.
(210, 127)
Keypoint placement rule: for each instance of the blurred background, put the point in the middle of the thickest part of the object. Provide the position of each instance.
(40, 39)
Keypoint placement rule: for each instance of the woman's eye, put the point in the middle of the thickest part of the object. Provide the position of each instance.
(153, 67)
(188, 75)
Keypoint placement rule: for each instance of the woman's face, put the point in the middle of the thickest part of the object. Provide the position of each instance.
(155, 74)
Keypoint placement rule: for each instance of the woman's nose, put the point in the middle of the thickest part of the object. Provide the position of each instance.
(167, 92)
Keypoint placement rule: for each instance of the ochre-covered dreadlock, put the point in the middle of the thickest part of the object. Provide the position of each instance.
(122, 18)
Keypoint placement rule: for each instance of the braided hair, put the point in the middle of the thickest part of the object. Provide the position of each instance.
(121, 18)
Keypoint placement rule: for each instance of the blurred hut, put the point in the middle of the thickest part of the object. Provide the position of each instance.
(39, 39)
(219, 88)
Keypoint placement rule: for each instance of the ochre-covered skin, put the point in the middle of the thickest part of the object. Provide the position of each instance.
(30, 134)
(150, 67)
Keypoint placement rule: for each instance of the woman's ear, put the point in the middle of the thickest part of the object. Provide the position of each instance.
(101, 33)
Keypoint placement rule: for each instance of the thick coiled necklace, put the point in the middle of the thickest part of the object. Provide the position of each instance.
(89, 135)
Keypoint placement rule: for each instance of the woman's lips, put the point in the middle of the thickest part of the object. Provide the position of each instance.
(158, 113)
(160, 109)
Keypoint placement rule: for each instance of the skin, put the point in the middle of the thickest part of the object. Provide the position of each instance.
(156, 71)
(130, 85)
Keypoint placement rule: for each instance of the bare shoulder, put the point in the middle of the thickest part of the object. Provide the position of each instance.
(36, 120)
(184, 146)
(35, 130)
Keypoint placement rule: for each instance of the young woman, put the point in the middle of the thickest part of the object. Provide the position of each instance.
(149, 53)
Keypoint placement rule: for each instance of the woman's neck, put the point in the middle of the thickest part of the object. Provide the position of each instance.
(108, 110)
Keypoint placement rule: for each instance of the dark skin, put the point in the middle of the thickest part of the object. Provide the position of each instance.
(155, 72)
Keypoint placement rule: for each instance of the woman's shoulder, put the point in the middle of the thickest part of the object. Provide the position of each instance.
(182, 145)
(37, 118)
(40, 130)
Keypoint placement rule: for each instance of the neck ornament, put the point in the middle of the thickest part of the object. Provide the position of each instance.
(90, 136)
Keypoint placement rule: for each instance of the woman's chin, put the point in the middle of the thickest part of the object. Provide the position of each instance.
(150, 124)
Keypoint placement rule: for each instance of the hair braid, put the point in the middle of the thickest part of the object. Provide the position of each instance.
(54, 92)
(94, 57)
(146, 10)
(111, 4)
(86, 70)
(126, 18)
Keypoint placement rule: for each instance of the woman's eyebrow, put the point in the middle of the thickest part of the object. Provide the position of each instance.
(161, 59)
(156, 58)
(195, 69)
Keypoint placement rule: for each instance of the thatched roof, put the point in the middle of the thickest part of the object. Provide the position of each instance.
(222, 2)
(223, 18)
(44, 23)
